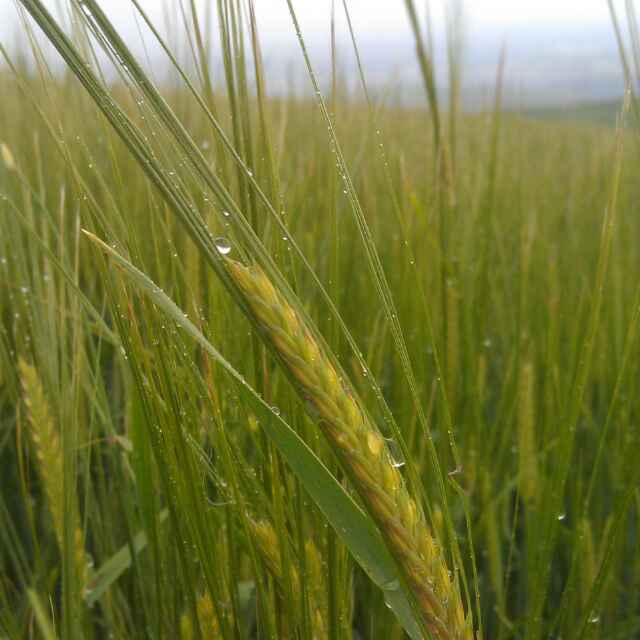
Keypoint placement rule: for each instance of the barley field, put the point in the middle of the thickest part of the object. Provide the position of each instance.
(316, 366)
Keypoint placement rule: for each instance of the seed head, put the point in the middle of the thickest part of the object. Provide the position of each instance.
(363, 453)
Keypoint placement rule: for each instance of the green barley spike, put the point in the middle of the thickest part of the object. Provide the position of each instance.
(362, 452)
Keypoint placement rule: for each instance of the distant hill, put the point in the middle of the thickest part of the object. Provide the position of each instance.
(601, 112)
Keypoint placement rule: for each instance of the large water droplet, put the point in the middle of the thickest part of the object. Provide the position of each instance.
(223, 246)
(397, 458)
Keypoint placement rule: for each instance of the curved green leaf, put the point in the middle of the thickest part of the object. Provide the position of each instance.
(352, 525)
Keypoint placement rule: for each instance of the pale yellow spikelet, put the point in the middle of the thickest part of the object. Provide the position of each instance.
(268, 546)
(7, 157)
(527, 450)
(363, 453)
(207, 619)
(186, 627)
(315, 586)
(46, 443)
(48, 453)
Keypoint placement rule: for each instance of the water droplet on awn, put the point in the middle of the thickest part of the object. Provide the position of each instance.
(223, 246)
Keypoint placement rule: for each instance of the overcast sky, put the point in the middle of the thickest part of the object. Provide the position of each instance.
(554, 46)
(376, 16)
(391, 16)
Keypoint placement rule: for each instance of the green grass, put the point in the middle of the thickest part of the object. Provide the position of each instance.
(473, 280)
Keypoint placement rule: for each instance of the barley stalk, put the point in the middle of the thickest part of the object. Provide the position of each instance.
(492, 537)
(481, 380)
(362, 452)
(527, 453)
(588, 562)
(453, 340)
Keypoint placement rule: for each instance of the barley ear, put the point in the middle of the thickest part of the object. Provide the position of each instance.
(48, 453)
(207, 620)
(363, 453)
(267, 544)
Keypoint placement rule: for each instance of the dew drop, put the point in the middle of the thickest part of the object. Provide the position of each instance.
(397, 458)
(223, 246)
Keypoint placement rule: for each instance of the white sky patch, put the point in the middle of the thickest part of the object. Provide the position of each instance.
(539, 12)
(372, 17)
(558, 50)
